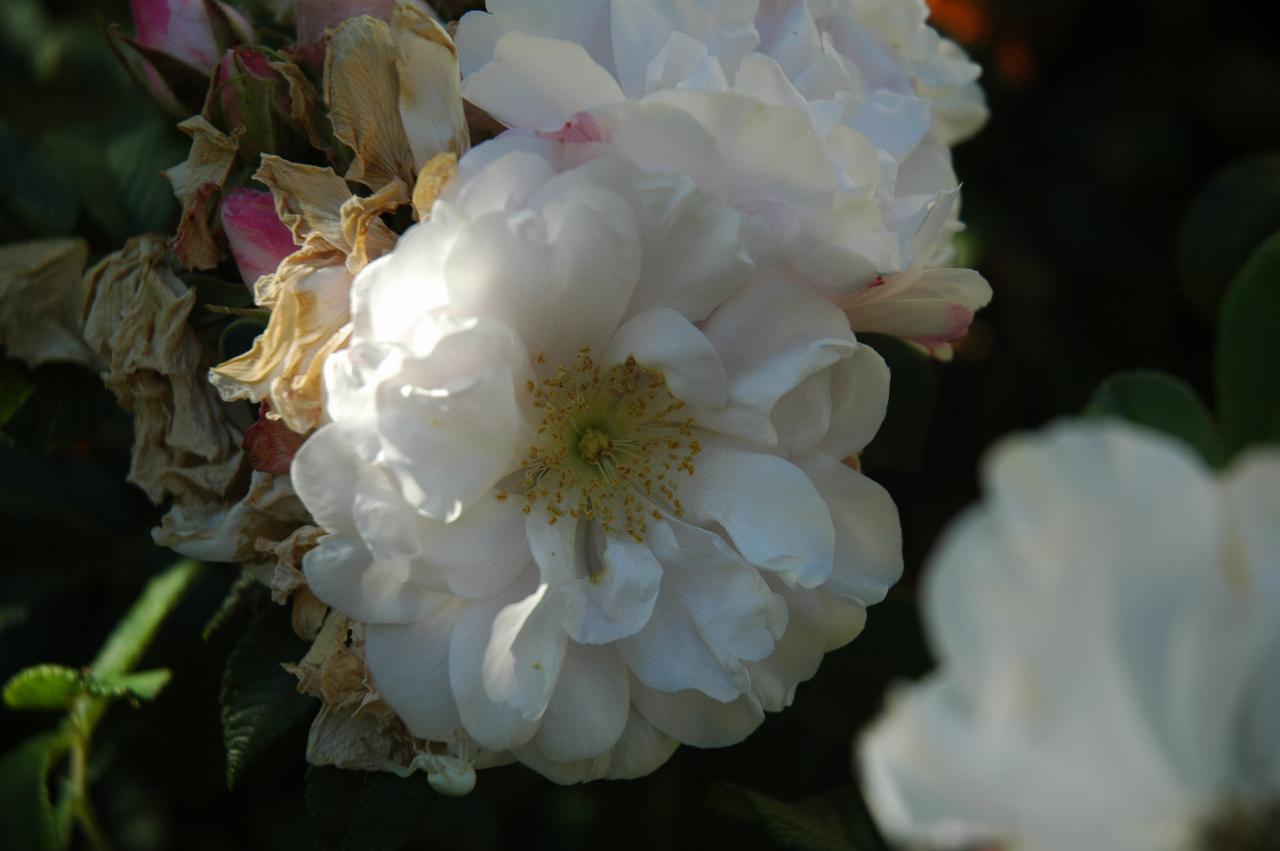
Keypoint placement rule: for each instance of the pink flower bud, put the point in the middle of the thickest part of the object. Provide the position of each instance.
(259, 241)
(314, 16)
(183, 29)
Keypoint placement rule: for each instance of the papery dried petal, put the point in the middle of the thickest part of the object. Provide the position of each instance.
(136, 313)
(309, 198)
(310, 317)
(41, 296)
(196, 183)
(361, 89)
(430, 85)
(438, 171)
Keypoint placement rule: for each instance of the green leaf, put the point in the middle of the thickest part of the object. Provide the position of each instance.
(260, 700)
(27, 817)
(1249, 351)
(832, 821)
(134, 633)
(366, 810)
(1161, 402)
(38, 197)
(136, 160)
(242, 592)
(1237, 209)
(15, 388)
(143, 685)
(50, 687)
(899, 444)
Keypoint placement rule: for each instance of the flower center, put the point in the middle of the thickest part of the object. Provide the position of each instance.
(593, 443)
(609, 446)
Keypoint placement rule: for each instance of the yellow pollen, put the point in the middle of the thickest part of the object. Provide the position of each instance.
(607, 439)
(592, 444)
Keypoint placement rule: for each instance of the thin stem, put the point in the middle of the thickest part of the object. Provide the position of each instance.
(81, 806)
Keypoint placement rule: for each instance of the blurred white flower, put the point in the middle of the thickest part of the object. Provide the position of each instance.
(825, 122)
(583, 473)
(1106, 625)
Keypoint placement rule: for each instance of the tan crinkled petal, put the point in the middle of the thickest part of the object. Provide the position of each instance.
(310, 299)
(41, 301)
(438, 171)
(305, 108)
(196, 183)
(357, 742)
(308, 198)
(361, 89)
(365, 234)
(230, 533)
(430, 92)
(136, 313)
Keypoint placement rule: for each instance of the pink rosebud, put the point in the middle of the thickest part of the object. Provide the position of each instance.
(314, 16)
(259, 241)
(184, 30)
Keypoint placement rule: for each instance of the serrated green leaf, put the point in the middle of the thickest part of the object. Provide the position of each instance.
(27, 816)
(1248, 362)
(899, 444)
(38, 197)
(366, 810)
(142, 685)
(260, 700)
(129, 640)
(47, 687)
(1161, 402)
(832, 821)
(15, 388)
(1237, 209)
(241, 593)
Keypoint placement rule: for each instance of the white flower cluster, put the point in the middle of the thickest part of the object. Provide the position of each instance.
(1106, 625)
(587, 470)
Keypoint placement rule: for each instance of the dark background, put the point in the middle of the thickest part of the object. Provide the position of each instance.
(1108, 118)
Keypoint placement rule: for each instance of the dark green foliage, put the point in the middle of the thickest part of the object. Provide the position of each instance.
(1162, 402)
(366, 811)
(899, 445)
(1249, 351)
(260, 700)
(1236, 210)
(836, 820)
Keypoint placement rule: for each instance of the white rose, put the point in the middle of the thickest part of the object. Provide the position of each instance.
(582, 479)
(825, 123)
(1106, 626)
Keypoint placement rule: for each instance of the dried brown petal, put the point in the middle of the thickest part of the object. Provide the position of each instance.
(41, 301)
(309, 296)
(309, 198)
(361, 89)
(136, 312)
(229, 531)
(365, 234)
(438, 171)
(196, 183)
(430, 94)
